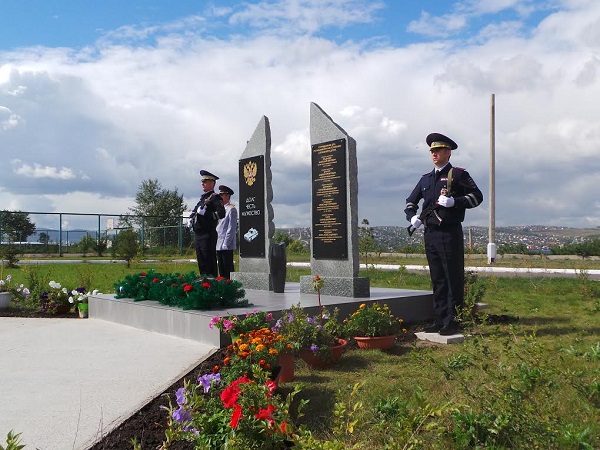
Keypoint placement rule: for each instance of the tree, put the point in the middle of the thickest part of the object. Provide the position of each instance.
(126, 245)
(159, 211)
(16, 225)
(282, 237)
(44, 238)
(366, 241)
(87, 244)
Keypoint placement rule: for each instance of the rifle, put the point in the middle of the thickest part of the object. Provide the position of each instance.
(423, 216)
(427, 212)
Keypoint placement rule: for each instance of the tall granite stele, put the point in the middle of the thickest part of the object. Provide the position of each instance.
(256, 225)
(334, 236)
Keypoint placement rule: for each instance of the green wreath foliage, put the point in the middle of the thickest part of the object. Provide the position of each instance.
(186, 291)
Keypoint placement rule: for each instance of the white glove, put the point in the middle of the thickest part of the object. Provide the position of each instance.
(201, 211)
(446, 202)
(415, 221)
(190, 223)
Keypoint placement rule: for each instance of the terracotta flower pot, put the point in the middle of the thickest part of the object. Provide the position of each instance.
(319, 362)
(377, 342)
(287, 363)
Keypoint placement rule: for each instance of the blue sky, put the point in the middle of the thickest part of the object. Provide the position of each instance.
(96, 97)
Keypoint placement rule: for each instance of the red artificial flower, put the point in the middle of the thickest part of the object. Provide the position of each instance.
(156, 280)
(143, 274)
(206, 284)
(219, 278)
(236, 415)
(188, 288)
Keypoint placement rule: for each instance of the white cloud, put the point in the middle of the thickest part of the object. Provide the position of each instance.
(87, 127)
(39, 171)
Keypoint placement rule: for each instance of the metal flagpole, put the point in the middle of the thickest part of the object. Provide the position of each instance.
(491, 247)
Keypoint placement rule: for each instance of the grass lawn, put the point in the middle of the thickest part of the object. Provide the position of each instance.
(529, 376)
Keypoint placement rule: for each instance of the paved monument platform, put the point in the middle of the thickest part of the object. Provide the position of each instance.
(411, 305)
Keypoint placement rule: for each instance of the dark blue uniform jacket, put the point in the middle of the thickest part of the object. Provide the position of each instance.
(464, 190)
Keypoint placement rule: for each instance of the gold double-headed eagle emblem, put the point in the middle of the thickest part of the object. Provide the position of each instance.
(250, 169)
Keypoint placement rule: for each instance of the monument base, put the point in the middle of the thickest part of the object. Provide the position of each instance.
(356, 287)
(259, 281)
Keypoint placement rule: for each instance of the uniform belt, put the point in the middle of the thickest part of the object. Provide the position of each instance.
(442, 227)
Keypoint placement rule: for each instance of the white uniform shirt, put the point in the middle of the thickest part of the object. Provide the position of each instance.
(227, 229)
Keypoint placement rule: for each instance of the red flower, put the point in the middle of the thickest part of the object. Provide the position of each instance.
(228, 281)
(180, 276)
(143, 274)
(271, 386)
(236, 415)
(219, 278)
(206, 284)
(174, 285)
(230, 395)
(188, 288)
(283, 427)
(266, 413)
(216, 369)
(156, 280)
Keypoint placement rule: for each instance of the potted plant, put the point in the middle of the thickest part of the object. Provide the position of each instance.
(56, 299)
(79, 297)
(313, 339)
(234, 325)
(10, 291)
(258, 349)
(373, 326)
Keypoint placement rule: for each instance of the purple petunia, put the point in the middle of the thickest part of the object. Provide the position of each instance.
(207, 380)
(180, 396)
(314, 348)
(182, 415)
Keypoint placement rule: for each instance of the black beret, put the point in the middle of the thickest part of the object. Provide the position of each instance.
(225, 190)
(437, 140)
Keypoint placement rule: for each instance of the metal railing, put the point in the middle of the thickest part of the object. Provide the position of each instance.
(67, 232)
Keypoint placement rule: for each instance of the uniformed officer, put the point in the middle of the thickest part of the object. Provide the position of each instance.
(226, 233)
(203, 221)
(444, 240)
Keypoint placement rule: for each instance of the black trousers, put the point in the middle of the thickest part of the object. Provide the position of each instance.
(206, 252)
(445, 250)
(225, 263)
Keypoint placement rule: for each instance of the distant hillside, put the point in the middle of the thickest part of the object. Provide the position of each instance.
(535, 237)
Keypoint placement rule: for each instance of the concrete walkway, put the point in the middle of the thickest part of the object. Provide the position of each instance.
(65, 383)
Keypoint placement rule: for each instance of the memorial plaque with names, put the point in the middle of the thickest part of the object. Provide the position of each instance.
(329, 205)
(252, 207)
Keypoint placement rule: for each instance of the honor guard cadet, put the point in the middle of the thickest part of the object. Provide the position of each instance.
(446, 192)
(203, 221)
(226, 233)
